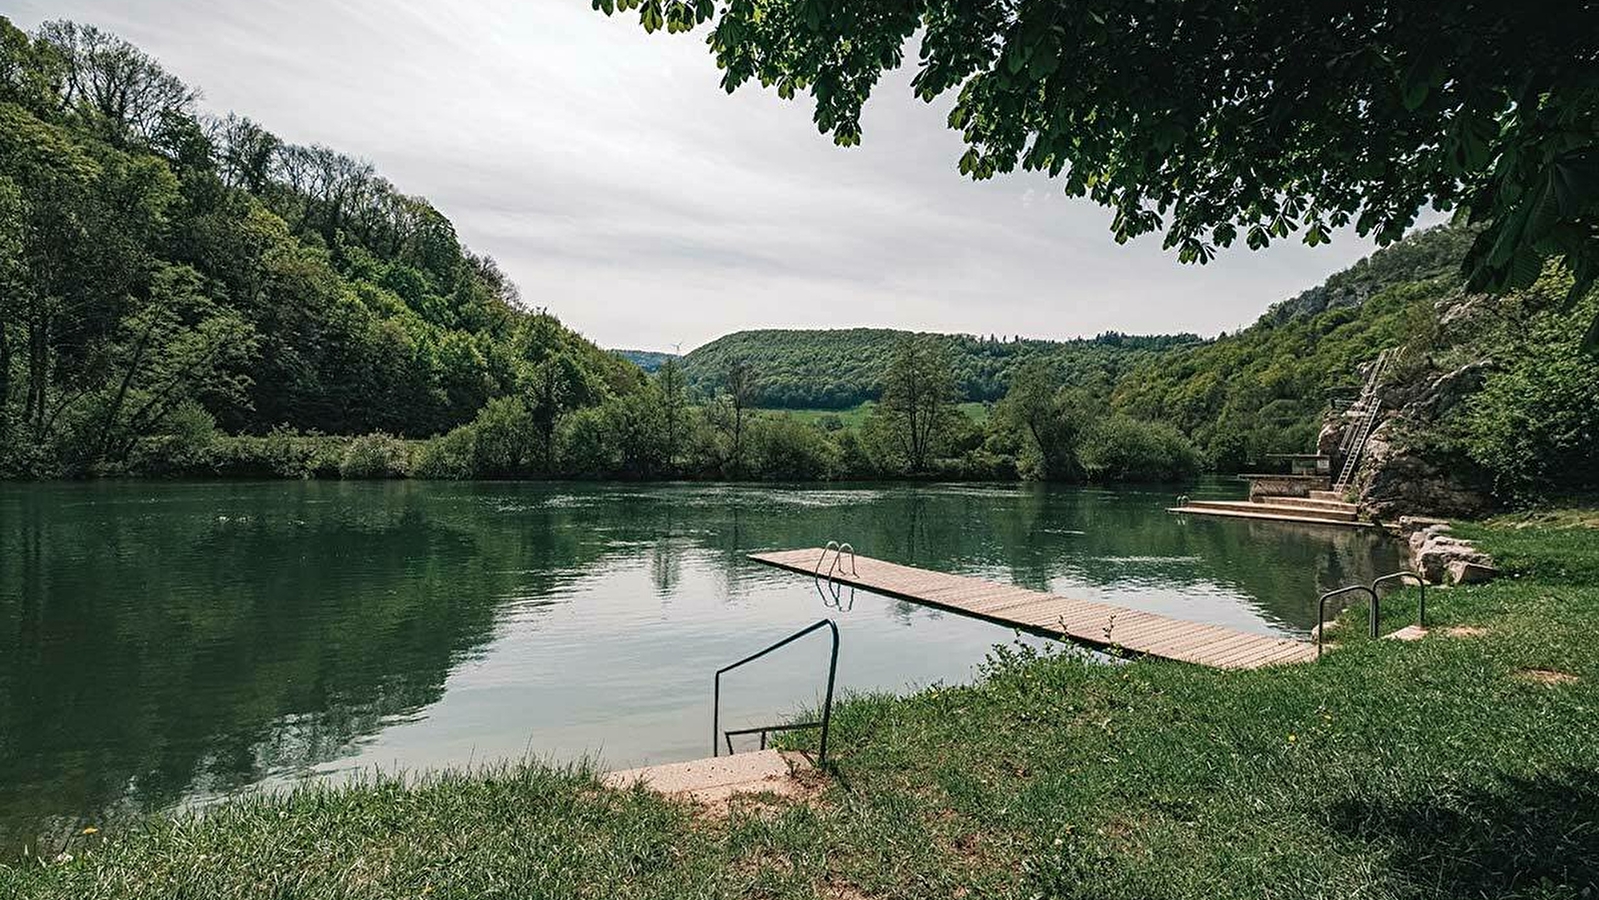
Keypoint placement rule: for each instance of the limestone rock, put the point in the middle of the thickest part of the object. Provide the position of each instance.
(1462, 571)
(1400, 480)
(1439, 556)
(1331, 438)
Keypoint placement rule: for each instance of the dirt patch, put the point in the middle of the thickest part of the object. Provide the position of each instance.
(1117, 829)
(1465, 631)
(1546, 676)
(842, 890)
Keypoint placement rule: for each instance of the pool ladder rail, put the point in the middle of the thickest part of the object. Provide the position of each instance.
(832, 593)
(718, 735)
(1371, 592)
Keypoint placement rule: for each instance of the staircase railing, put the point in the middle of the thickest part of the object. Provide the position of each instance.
(718, 735)
(1421, 604)
(1376, 603)
(1321, 610)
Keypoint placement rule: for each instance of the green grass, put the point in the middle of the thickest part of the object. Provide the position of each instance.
(1389, 770)
(855, 416)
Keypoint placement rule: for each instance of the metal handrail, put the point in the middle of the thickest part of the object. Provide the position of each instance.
(838, 560)
(827, 703)
(838, 551)
(1421, 608)
(834, 546)
(1321, 610)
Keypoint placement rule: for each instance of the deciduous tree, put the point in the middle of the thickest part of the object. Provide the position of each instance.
(918, 403)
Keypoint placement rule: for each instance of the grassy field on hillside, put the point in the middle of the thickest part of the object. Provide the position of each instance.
(1461, 765)
(855, 416)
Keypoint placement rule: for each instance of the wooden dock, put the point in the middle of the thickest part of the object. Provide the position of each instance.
(1098, 625)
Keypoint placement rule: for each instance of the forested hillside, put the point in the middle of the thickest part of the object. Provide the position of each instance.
(648, 360)
(840, 368)
(1263, 389)
(166, 273)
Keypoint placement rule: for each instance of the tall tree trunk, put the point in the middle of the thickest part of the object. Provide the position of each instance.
(38, 372)
(122, 389)
(5, 381)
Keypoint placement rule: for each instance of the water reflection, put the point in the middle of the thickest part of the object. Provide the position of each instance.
(162, 642)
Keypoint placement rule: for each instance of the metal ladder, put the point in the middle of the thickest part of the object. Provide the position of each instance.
(1367, 408)
(718, 735)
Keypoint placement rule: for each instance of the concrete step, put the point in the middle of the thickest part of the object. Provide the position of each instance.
(1311, 503)
(1245, 506)
(720, 778)
(1272, 514)
(1327, 495)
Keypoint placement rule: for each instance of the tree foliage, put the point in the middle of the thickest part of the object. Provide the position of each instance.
(1224, 120)
(159, 265)
(917, 410)
(1534, 426)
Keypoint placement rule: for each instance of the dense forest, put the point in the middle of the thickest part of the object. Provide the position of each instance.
(164, 272)
(841, 368)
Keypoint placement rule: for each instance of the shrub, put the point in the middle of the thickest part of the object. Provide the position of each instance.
(287, 453)
(782, 448)
(376, 456)
(1121, 448)
(187, 444)
(447, 457)
(505, 436)
(284, 453)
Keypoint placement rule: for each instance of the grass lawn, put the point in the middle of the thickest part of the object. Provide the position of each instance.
(1456, 766)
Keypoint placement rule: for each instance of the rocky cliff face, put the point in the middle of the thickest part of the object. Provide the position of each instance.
(1406, 469)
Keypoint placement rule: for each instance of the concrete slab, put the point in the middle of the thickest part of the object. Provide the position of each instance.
(719, 778)
(1268, 517)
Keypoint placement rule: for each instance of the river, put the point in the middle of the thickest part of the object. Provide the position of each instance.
(166, 644)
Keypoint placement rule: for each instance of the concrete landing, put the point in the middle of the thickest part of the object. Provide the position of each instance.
(719, 778)
(1407, 633)
(1265, 512)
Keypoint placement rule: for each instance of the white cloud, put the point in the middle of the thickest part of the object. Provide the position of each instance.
(620, 187)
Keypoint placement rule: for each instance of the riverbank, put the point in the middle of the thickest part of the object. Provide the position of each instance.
(1459, 765)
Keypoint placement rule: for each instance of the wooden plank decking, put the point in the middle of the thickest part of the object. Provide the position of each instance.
(1083, 621)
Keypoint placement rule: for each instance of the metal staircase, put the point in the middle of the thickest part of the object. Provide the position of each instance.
(1364, 412)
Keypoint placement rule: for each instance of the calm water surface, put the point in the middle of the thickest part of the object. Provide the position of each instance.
(164, 644)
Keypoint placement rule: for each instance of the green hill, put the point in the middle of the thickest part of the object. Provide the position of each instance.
(842, 368)
(648, 360)
(1263, 389)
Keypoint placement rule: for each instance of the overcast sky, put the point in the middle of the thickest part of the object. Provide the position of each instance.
(620, 187)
